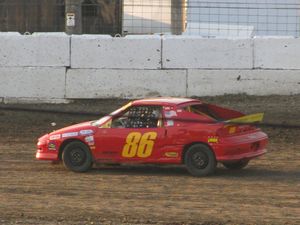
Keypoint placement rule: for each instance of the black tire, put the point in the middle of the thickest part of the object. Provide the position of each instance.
(77, 157)
(200, 160)
(236, 165)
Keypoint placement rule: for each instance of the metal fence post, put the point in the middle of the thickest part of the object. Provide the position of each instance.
(73, 23)
(178, 16)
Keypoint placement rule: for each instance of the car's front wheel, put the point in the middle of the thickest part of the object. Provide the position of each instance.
(200, 160)
(236, 165)
(77, 157)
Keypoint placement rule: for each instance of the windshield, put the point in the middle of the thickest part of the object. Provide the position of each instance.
(123, 108)
(108, 118)
(101, 121)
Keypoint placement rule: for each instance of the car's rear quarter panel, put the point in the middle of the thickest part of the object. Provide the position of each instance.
(241, 146)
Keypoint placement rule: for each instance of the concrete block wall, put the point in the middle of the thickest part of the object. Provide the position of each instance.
(106, 52)
(202, 53)
(36, 50)
(277, 53)
(56, 67)
(33, 67)
(252, 82)
(104, 83)
(32, 82)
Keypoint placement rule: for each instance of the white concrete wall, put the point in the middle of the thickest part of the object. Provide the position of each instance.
(99, 83)
(34, 50)
(277, 53)
(196, 52)
(252, 82)
(106, 52)
(38, 66)
(32, 82)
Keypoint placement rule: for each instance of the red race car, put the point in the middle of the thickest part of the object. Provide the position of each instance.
(159, 131)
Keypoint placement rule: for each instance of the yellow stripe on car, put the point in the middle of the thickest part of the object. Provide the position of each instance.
(253, 118)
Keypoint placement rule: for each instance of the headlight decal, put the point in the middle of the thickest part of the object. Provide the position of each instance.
(86, 132)
(52, 146)
(55, 137)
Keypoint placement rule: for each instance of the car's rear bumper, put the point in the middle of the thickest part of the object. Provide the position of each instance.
(244, 156)
(240, 147)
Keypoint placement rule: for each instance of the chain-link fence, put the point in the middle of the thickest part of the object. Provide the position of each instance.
(242, 18)
(213, 18)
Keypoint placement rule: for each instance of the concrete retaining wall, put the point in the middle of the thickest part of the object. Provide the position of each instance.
(252, 82)
(97, 83)
(34, 50)
(202, 53)
(32, 82)
(55, 67)
(277, 53)
(106, 52)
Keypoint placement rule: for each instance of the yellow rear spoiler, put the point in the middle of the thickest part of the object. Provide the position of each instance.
(253, 118)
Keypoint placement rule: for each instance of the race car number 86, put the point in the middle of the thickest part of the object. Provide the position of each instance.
(138, 145)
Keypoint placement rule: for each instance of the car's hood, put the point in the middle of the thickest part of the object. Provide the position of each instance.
(75, 128)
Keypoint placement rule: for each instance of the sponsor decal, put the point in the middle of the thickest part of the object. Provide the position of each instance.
(52, 146)
(90, 140)
(213, 140)
(169, 114)
(232, 130)
(171, 154)
(71, 134)
(170, 123)
(86, 132)
(55, 137)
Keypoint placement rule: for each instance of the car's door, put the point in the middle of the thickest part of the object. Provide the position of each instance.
(182, 125)
(135, 135)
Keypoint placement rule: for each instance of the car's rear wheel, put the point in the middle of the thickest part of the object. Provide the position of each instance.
(77, 157)
(236, 165)
(200, 160)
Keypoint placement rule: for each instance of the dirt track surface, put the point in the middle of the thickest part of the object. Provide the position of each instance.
(34, 192)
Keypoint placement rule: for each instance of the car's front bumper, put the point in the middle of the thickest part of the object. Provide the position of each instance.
(47, 150)
(46, 156)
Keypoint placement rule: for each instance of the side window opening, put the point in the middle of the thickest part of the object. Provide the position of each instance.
(201, 109)
(139, 117)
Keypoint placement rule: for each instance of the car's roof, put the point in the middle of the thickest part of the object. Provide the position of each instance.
(165, 101)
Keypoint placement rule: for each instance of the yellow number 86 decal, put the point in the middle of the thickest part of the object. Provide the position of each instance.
(138, 145)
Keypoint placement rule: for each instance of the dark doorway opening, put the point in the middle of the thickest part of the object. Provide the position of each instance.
(102, 17)
(32, 16)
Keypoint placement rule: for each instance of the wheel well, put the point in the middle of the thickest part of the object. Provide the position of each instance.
(186, 147)
(64, 144)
